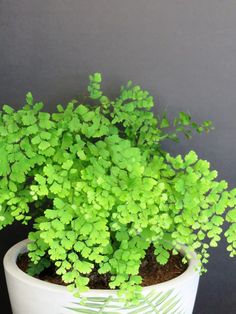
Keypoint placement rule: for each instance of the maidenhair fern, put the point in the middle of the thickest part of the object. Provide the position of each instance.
(95, 179)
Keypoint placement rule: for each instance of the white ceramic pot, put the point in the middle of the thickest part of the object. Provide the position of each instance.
(29, 295)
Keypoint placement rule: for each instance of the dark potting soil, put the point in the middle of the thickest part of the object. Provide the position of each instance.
(151, 272)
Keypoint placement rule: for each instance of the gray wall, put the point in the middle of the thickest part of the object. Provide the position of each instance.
(183, 51)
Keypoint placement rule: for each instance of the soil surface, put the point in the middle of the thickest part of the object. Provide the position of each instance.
(151, 272)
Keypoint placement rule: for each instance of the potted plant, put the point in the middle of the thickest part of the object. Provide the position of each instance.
(107, 201)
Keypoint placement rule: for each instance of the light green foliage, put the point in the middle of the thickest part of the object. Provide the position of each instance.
(100, 188)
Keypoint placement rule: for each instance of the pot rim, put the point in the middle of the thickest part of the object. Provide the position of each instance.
(11, 267)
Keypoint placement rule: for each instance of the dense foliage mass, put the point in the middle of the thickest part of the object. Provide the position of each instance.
(100, 188)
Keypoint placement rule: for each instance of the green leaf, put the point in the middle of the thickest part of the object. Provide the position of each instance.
(162, 255)
(74, 124)
(184, 118)
(97, 77)
(8, 109)
(83, 267)
(28, 119)
(86, 228)
(29, 98)
(36, 140)
(32, 129)
(58, 225)
(4, 164)
(67, 164)
(164, 122)
(231, 216)
(56, 188)
(44, 145)
(81, 155)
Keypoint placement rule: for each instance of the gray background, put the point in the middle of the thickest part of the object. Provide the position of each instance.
(183, 51)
